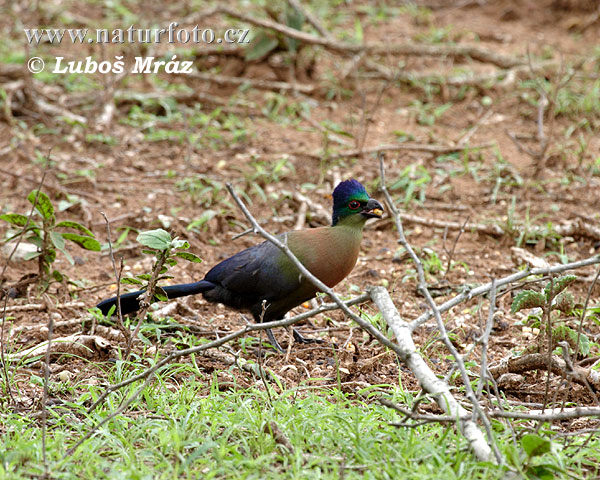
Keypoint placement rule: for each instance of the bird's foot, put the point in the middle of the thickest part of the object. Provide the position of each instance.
(300, 339)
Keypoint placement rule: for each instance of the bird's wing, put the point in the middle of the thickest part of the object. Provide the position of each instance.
(261, 271)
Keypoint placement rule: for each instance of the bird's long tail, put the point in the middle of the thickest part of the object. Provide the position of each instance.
(130, 301)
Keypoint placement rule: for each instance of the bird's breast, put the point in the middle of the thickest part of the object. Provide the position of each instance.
(329, 253)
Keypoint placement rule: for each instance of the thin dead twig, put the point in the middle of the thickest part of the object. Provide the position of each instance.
(4, 364)
(118, 273)
(254, 83)
(44, 306)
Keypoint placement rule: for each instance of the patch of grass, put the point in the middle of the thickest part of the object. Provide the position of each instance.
(189, 425)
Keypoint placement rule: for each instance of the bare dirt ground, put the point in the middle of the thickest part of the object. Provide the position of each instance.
(160, 168)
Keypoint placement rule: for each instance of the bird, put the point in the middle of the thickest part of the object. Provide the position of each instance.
(263, 280)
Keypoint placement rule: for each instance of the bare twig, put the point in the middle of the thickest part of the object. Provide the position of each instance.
(253, 82)
(483, 375)
(539, 361)
(45, 394)
(120, 324)
(450, 252)
(4, 365)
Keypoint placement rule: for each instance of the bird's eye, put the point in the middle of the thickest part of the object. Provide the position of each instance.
(354, 204)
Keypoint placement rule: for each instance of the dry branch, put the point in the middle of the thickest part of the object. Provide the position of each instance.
(44, 306)
(437, 388)
(86, 346)
(412, 147)
(558, 366)
(443, 50)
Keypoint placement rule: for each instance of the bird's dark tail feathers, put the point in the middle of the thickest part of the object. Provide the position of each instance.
(130, 302)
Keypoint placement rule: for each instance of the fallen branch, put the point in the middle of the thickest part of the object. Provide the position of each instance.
(412, 147)
(557, 365)
(437, 388)
(440, 50)
(86, 346)
(44, 306)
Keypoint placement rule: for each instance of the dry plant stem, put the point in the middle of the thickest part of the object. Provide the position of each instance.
(146, 299)
(4, 365)
(251, 327)
(120, 324)
(428, 380)
(45, 394)
(515, 277)
(451, 252)
(477, 53)
(470, 394)
(483, 376)
(314, 21)
(539, 361)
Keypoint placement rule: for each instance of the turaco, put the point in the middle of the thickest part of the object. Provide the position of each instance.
(264, 273)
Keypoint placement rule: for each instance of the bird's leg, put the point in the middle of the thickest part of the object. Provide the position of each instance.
(274, 341)
(300, 339)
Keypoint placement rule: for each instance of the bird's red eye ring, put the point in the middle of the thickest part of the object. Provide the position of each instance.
(354, 205)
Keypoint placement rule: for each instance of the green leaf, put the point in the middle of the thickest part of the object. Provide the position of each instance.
(75, 225)
(14, 219)
(158, 239)
(528, 299)
(59, 242)
(30, 255)
(190, 257)
(261, 45)
(131, 281)
(176, 243)
(57, 276)
(534, 445)
(89, 243)
(559, 285)
(543, 472)
(43, 204)
(144, 276)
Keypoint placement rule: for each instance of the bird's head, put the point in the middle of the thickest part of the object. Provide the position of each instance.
(352, 204)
